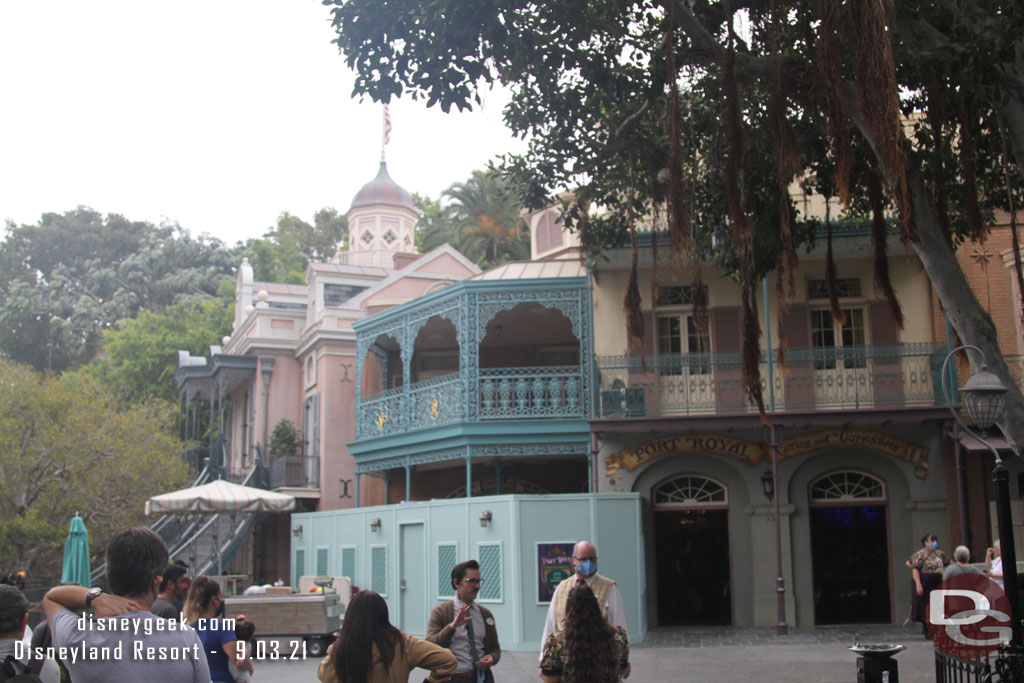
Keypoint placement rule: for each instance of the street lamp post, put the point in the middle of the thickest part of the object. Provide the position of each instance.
(984, 396)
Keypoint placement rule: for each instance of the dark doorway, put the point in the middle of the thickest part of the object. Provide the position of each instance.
(693, 567)
(850, 559)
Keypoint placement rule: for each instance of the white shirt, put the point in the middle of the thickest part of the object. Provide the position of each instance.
(997, 568)
(616, 610)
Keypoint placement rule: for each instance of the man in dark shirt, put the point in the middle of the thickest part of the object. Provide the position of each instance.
(172, 588)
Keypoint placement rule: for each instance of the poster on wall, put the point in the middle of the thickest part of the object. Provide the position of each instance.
(554, 565)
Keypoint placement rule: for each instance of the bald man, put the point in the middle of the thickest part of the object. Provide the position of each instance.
(584, 563)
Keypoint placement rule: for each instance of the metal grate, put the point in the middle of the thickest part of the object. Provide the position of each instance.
(379, 570)
(300, 565)
(490, 572)
(322, 555)
(348, 563)
(446, 559)
(845, 486)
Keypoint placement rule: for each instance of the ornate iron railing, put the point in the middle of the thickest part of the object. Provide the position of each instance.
(297, 471)
(530, 392)
(896, 375)
(499, 394)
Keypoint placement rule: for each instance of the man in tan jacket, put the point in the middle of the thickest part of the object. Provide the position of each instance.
(466, 628)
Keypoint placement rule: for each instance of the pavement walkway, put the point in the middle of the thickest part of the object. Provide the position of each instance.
(717, 655)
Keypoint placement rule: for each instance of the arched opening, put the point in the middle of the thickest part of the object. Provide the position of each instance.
(382, 366)
(849, 548)
(436, 350)
(530, 365)
(691, 534)
(529, 335)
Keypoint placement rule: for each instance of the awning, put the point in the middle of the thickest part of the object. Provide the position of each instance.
(220, 496)
(972, 445)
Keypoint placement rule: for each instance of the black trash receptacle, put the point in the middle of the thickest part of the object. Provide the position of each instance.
(874, 669)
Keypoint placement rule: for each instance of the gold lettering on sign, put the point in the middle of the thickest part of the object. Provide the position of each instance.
(718, 444)
(855, 438)
(632, 457)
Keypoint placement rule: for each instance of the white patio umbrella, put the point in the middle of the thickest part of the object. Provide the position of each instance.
(220, 496)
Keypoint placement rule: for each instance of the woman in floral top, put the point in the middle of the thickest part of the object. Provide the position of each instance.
(588, 649)
(926, 567)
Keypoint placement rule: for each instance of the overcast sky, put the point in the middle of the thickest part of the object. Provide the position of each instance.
(214, 114)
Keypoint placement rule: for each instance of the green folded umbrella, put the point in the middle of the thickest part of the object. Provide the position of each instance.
(76, 555)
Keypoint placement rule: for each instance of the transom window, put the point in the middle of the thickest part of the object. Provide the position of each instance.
(845, 287)
(672, 295)
(695, 343)
(838, 346)
(690, 491)
(849, 485)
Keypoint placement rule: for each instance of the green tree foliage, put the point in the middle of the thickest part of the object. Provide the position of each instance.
(487, 219)
(68, 445)
(286, 250)
(483, 220)
(284, 440)
(434, 227)
(139, 355)
(706, 112)
(68, 277)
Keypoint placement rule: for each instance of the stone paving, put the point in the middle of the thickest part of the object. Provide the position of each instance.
(717, 655)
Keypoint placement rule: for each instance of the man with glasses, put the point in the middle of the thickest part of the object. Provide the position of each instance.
(466, 628)
(584, 562)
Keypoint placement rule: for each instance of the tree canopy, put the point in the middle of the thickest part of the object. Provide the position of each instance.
(707, 112)
(68, 445)
(483, 220)
(70, 276)
(286, 250)
(139, 355)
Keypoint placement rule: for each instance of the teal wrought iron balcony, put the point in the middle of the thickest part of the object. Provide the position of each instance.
(897, 375)
(501, 394)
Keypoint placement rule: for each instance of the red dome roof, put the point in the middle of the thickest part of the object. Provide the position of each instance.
(383, 190)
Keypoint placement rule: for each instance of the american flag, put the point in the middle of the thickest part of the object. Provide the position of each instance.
(387, 124)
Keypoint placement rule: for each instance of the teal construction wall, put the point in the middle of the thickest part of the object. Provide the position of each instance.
(400, 561)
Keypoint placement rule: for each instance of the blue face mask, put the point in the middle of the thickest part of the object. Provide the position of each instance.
(935, 545)
(587, 567)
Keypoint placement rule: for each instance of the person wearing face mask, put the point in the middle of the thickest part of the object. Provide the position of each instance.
(584, 562)
(926, 567)
(204, 610)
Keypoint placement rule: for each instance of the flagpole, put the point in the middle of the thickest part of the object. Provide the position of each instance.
(385, 132)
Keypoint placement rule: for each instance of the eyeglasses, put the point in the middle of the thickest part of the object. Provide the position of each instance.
(473, 582)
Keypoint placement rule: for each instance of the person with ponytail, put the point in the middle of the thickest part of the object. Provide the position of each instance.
(588, 649)
(204, 610)
(371, 650)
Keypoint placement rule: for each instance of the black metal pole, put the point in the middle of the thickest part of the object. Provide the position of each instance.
(1007, 547)
(781, 628)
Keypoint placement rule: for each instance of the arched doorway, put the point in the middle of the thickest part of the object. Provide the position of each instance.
(691, 535)
(850, 549)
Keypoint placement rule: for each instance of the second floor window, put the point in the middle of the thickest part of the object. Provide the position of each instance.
(838, 346)
(673, 342)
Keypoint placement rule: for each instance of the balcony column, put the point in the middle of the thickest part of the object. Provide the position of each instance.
(359, 480)
(387, 486)
(408, 340)
(469, 473)
(408, 478)
(498, 467)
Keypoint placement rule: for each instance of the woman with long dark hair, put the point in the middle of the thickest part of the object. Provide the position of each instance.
(371, 650)
(204, 609)
(588, 649)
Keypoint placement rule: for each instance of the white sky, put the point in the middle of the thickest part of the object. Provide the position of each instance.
(213, 114)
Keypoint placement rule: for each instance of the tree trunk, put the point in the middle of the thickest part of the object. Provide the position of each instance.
(966, 314)
(1012, 112)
